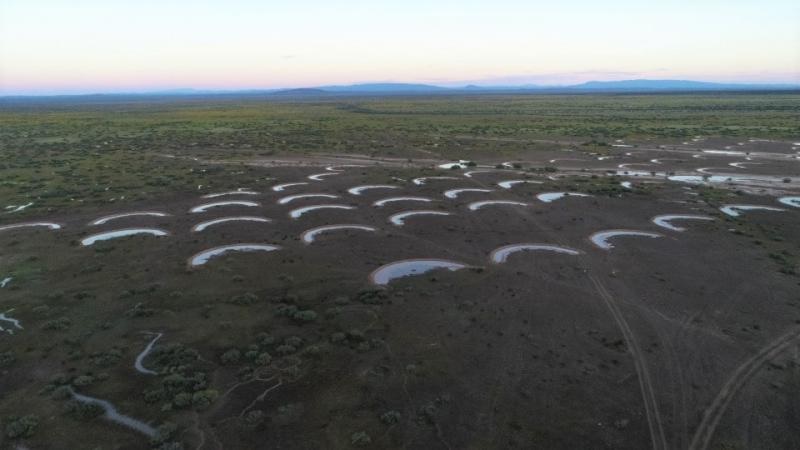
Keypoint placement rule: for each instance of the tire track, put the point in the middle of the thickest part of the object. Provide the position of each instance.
(652, 413)
(740, 376)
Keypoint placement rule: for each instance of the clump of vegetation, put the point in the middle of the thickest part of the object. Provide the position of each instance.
(246, 299)
(107, 358)
(253, 419)
(390, 417)
(7, 358)
(62, 323)
(164, 433)
(304, 316)
(139, 310)
(83, 411)
(173, 357)
(21, 427)
(360, 438)
(372, 296)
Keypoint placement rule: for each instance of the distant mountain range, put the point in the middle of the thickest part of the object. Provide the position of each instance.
(366, 89)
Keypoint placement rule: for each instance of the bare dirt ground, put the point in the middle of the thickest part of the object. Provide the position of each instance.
(685, 341)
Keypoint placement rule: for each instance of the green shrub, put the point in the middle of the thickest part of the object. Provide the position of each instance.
(390, 417)
(21, 427)
(286, 349)
(203, 399)
(360, 438)
(230, 357)
(304, 316)
(84, 411)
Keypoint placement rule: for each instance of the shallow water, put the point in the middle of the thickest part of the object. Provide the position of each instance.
(508, 184)
(111, 413)
(320, 176)
(206, 255)
(500, 255)
(384, 201)
(790, 201)
(476, 172)
(626, 184)
(236, 192)
(453, 193)
(49, 225)
(625, 166)
(422, 180)
(107, 219)
(357, 190)
(295, 213)
(664, 220)
(202, 226)
(601, 238)
(724, 152)
(309, 236)
(399, 218)
(733, 210)
(334, 168)
(697, 179)
(474, 206)
(410, 267)
(5, 281)
(291, 198)
(13, 321)
(138, 363)
(122, 233)
(548, 197)
(207, 206)
(282, 187)
(15, 208)
(461, 164)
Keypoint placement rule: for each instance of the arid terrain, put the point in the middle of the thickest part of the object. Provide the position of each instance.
(618, 321)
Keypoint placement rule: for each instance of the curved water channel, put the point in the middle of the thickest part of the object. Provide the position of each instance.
(474, 206)
(320, 176)
(309, 236)
(284, 186)
(48, 225)
(399, 219)
(110, 413)
(790, 201)
(508, 184)
(664, 220)
(296, 213)
(410, 267)
(384, 201)
(357, 190)
(548, 197)
(206, 255)
(207, 206)
(5, 318)
(106, 219)
(203, 225)
(291, 198)
(422, 180)
(115, 234)
(734, 210)
(454, 193)
(140, 358)
(239, 191)
(600, 239)
(500, 255)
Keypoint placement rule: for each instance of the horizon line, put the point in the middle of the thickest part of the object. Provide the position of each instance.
(455, 86)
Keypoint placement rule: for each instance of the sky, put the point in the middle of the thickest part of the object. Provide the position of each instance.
(84, 46)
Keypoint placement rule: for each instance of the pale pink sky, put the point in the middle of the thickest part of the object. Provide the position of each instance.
(71, 46)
